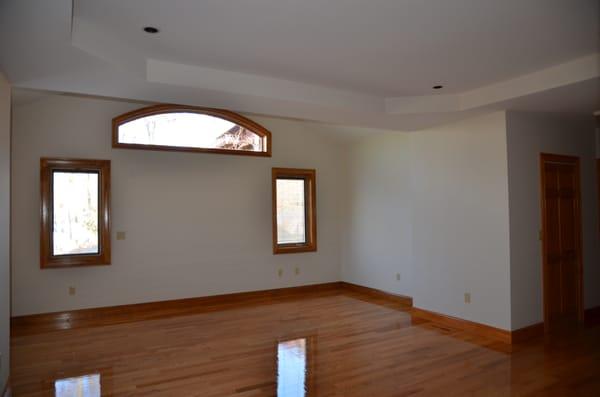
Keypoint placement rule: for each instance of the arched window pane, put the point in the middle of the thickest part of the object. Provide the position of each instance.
(190, 129)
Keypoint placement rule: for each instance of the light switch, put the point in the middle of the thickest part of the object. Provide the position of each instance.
(120, 235)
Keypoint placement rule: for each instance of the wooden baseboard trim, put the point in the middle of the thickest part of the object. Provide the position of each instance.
(402, 300)
(83, 318)
(509, 337)
(592, 316)
(526, 333)
(472, 327)
(48, 322)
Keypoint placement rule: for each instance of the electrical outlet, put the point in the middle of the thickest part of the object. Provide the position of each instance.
(397, 276)
(121, 235)
(297, 270)
(467, 297)
(72, 291)
(280, 273)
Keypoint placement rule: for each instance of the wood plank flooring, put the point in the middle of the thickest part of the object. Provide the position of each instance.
(350, 345)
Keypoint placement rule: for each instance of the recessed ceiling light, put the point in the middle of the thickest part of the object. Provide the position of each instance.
(151, 29)
(437, 87)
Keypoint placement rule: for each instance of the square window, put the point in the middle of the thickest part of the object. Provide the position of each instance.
(75, 212)
(294, 210)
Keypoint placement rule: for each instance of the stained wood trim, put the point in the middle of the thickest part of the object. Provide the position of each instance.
(472, 327)
(47, 167)
(598, 183)
(172, 108)
(526, 333)
(571, 160)
(592, 316)
(310, 188)
(402, 300)
(84, 318)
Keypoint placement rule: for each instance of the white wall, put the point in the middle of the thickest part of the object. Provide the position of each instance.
(433, 205)
(4, 229)
(460, 220)
(377, 233)
(196, 224)
(528, 135)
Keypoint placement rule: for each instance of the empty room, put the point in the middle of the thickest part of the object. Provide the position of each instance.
(299, 198)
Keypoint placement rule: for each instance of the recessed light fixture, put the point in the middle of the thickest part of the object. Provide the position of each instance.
(437, 87)
(150, 29)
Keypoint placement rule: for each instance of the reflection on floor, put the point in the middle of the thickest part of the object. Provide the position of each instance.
(340, 344)
(291, 368)
(81, 386)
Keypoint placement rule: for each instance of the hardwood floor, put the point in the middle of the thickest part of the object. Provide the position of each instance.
(340, 343)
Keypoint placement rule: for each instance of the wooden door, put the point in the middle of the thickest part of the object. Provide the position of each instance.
(561, 239)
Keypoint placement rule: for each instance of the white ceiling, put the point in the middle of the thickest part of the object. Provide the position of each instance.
(380, 47)
(369, 63)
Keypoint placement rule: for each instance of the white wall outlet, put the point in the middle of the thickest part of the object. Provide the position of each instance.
(397, 276)
(297, 270)
(72, 291)
(121, 235)
(280, 273)
(467, 297)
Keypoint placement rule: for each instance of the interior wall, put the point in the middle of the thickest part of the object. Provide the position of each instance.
(377, 236)
(196, 224)
(460, 220)
(4, 230)
(528, 135)
(433, 206)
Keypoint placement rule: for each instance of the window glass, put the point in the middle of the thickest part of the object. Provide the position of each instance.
(294, 210)
(291, 214)
(189, 130)
(75, 213)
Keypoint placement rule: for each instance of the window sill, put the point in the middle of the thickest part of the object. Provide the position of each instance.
(293, 249)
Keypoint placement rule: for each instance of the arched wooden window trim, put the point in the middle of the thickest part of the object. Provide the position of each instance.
(167, 108)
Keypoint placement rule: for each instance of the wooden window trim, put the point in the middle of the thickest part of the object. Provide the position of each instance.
(168, 108)
(47, 167)
(310, 183)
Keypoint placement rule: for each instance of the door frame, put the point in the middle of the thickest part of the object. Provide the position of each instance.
(575, 161)
(598, 184)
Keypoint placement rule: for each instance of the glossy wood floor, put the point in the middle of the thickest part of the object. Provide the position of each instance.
(338, 344)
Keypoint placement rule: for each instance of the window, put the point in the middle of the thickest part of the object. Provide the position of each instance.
(294, 211)
(75, 213)
(190, 129)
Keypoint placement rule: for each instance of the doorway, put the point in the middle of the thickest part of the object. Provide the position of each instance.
(561, 240)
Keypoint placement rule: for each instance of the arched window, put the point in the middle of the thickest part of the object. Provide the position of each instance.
(190, 129)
